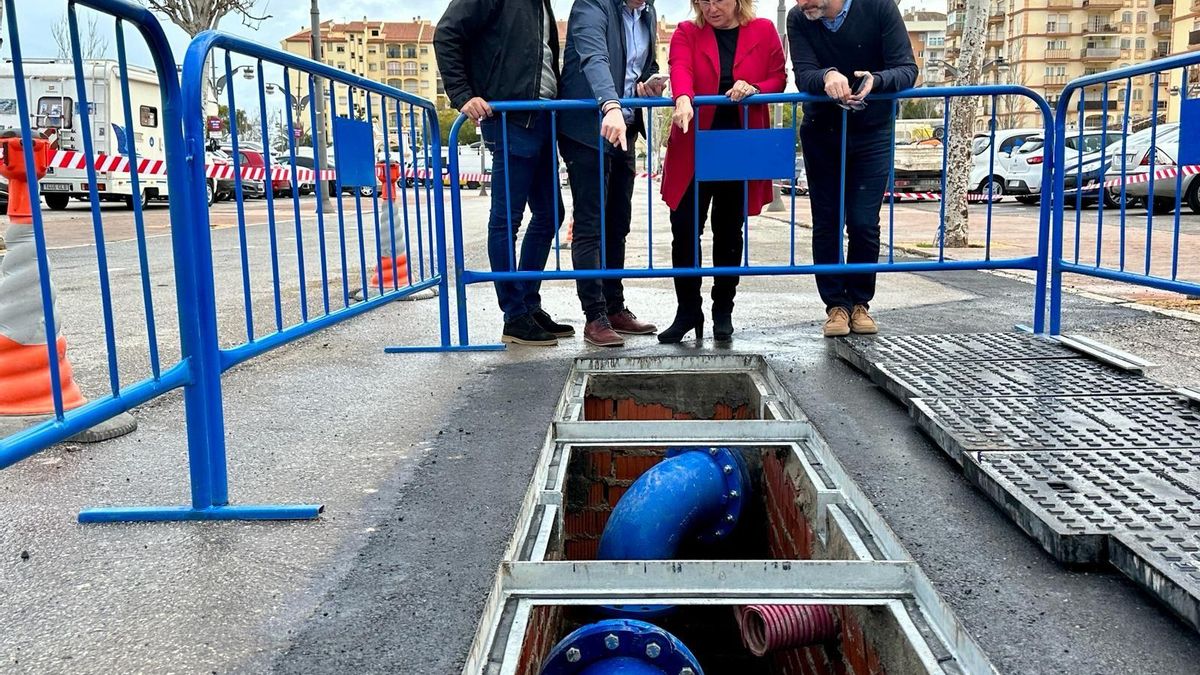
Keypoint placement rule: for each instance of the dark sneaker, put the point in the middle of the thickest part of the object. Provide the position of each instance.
(600, 333)
(523, 330)
(543, 320)
(625, 322)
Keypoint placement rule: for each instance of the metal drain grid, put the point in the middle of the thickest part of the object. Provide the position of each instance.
(1045, 377)
(1071, 501)
(865, 351)
(1167, 564)
(1025, 423)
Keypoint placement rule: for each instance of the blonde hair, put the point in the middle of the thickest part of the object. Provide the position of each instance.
(745, 12)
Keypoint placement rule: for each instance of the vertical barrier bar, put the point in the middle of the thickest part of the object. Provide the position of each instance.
(1153, 168)
(891, 191)
(440, 236)
(842, 191)
(390, 191)
(291, 141)
(1124, 169)
(792, 228)
(358, 215)
(321, 185)
(649, 186)
(1079, 175)
(1102, 175)
(341, 208)
(404, 189)
(557, 183)
(987, 254)
(412, 134)
(436, 143)
(262, 107)
(97, 220)
(241, 209)
(945, 168)
(375, 203)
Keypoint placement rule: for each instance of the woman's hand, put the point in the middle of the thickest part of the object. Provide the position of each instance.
(741, 89)
(682, 117)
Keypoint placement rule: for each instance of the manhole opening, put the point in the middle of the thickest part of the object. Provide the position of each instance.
(673, 396)
(869, 641)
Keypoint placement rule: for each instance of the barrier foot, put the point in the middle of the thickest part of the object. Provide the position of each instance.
(161, 514)
(439, 348)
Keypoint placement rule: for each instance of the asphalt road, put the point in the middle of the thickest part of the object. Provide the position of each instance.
(422, 459)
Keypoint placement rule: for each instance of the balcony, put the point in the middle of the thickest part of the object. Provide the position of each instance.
(994, 40)
(996, 15)
(1060, 4)
(1058, 28)
(1058, 55)
(1096, 28)
(1051, 80)
(957, 28)
(1162, 28)
(1164, 3)
(1100, 54)
(1193, 37)
(1103, 4)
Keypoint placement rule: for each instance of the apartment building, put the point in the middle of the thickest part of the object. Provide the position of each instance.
(1183, 30)
(1043, 44)
(927, 34)
(399, 54)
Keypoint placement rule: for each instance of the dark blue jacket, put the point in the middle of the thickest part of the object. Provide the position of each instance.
(594, 63)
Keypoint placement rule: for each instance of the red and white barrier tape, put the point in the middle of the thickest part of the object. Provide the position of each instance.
(1138, 178)
(68, 159)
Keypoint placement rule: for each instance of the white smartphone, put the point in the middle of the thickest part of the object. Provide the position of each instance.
(657, 78)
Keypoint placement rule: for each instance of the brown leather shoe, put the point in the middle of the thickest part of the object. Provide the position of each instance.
(861, 322)
(837, 323)
(625, 322)
(600, 333)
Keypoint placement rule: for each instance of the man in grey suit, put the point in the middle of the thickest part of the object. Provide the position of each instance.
(609, 55)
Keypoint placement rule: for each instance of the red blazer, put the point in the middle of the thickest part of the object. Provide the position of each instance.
(696, 71)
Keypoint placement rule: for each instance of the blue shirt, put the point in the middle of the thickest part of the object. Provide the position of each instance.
(637, 46)
(836, 22)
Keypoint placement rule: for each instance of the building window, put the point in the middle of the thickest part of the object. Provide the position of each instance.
(1124, 43)
(148, 116)
(341, 65)
(1141, 43)
(342, 100)
(411, 86)
(372, 67)
(440, 89)
(394, 82)
(373, 49)
(393, 51)
(1127, 17)
(424, 67)
(424, 84)
(424, 50)
(393, 68)
(341, 49)
(410, 51)
(374, 32)
(1141, 17)
(410, 68)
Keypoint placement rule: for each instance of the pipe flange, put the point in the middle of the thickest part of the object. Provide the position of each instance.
(736, 479)
(620, 638)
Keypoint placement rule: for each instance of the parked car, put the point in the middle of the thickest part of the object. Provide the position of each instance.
(1023, 168)
(220, 189)
(1138, 162)
(987, 167)
(799, 182)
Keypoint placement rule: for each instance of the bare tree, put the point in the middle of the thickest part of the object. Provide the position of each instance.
(197, 16)
(92, 43)
(962, 122)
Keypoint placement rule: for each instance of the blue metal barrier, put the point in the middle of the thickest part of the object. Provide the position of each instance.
(189, 175)
(121, 397)
(1125, 178)
(1037, 262)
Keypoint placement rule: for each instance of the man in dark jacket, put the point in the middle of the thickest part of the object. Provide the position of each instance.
(847, 49)
(490, 50)
(609, 55)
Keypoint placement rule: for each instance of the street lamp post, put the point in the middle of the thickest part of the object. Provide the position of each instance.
(776, 204)
(319, 105)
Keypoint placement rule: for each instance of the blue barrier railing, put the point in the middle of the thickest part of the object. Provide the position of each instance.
(1135, 168)
(752, 265)
(388, 267)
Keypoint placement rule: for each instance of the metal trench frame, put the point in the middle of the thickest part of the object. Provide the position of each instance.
(885, 574)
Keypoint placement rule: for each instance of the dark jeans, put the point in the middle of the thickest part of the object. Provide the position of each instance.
(599, 297)
(727, 199)
(528, 174)
(868, 153)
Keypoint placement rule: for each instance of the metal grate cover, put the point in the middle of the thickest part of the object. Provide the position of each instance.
(1167, 564)
(950, 347)
(1070, 502)
(1047, 377)
(964, 425)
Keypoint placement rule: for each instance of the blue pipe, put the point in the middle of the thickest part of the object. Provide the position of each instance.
(621, 647)
(694, 493)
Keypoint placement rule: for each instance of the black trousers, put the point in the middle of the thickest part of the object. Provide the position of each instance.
(727, 200)
(868, 153)
(590, 178)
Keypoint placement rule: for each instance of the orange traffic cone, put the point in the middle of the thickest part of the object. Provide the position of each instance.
(392, 266)
(566, 241)
(25, 382)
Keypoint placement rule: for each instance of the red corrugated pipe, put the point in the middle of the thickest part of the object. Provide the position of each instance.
(767, 628)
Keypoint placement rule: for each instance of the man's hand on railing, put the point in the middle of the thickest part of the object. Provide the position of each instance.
(613, 127)
(868, 83)
(476, 109)
(682, 116)
(837, 86)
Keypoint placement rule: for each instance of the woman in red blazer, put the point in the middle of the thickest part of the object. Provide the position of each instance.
(724, 50)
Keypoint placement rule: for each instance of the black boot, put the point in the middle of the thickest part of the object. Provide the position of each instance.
(689, 315)
(685, 320)
(722, 326)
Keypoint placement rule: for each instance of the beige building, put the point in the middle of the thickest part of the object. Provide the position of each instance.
(399, 54)
(1184, 31)
(1043, 44)
(927, 35)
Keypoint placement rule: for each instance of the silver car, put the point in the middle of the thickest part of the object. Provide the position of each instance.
(1138, 162)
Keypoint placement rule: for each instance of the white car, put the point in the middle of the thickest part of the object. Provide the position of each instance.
(1023, 168)
(991, 168)
(1138, 162)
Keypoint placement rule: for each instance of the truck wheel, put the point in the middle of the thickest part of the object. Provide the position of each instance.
(1192, 196)
(145, 200)
(212, 195)
(57, 202)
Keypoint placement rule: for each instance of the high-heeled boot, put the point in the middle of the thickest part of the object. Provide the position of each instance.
(688, 316)
(724, 290)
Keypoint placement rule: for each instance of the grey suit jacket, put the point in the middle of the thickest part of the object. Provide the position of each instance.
(594, 63)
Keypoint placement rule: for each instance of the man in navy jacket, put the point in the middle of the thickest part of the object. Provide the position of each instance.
(847, 49)
(609, 55)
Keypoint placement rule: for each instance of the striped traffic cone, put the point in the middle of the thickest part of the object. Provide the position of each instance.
(26, 394)
(565, 242)
(392, 270)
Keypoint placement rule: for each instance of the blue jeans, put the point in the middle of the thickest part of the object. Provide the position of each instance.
(868, 157)
(526, 175)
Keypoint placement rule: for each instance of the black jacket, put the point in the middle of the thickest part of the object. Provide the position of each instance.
(493, 49)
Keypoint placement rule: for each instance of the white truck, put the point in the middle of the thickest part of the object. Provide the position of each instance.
(52, 94)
